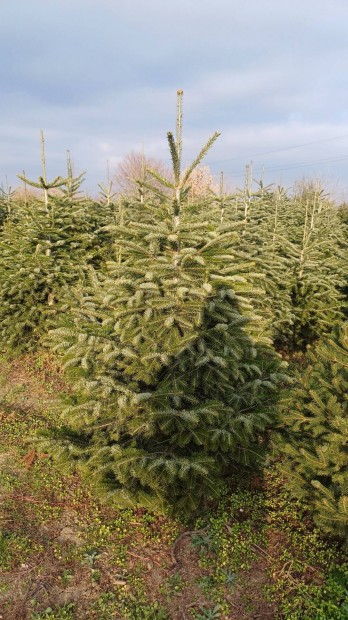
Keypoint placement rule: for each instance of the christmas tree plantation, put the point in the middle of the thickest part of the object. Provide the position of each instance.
(174, 382)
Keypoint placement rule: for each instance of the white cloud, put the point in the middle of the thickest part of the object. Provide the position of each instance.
(100, 77)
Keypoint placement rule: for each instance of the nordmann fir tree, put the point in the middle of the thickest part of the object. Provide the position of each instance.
(6, 204)
(170, 389)
(98, 213)
(43, 249)
(263, 236)
(299, 245)
(317, 253)
(313, 436)
(3, 209)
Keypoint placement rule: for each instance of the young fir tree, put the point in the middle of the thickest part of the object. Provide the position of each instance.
(6, 204)
(259, 243)
(43, 249)
(263, 235)
(314, 434)
(171, 389)
(299, 245)
(318, 257)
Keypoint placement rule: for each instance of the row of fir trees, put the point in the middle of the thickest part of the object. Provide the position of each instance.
(171, 314)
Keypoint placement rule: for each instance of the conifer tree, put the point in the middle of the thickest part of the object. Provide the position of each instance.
(314, 435)
(263, 236)
(6, 204)
(3, 209)
(43, 249)
(319, 259)
(343, 213)
(173, 382)
(298, 243)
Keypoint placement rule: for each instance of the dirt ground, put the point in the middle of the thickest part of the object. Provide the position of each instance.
(64, 555)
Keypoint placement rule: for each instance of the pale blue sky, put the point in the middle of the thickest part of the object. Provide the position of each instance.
(100, 77)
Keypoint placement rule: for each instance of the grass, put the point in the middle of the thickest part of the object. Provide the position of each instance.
(63, 555)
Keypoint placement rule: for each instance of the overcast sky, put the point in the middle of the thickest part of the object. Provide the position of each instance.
(100, 78)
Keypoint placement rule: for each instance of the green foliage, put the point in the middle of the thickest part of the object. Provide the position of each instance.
(62, 613)
(263, 232)
(174, 381)
(208, 614)
(299, 244)
(236, 535)
(321, 602)
(314, 434)
(343, 212)
(45, 247)
(165, 308)
(40, 253)
(309, 574)
(6, 201)
(319, 266)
